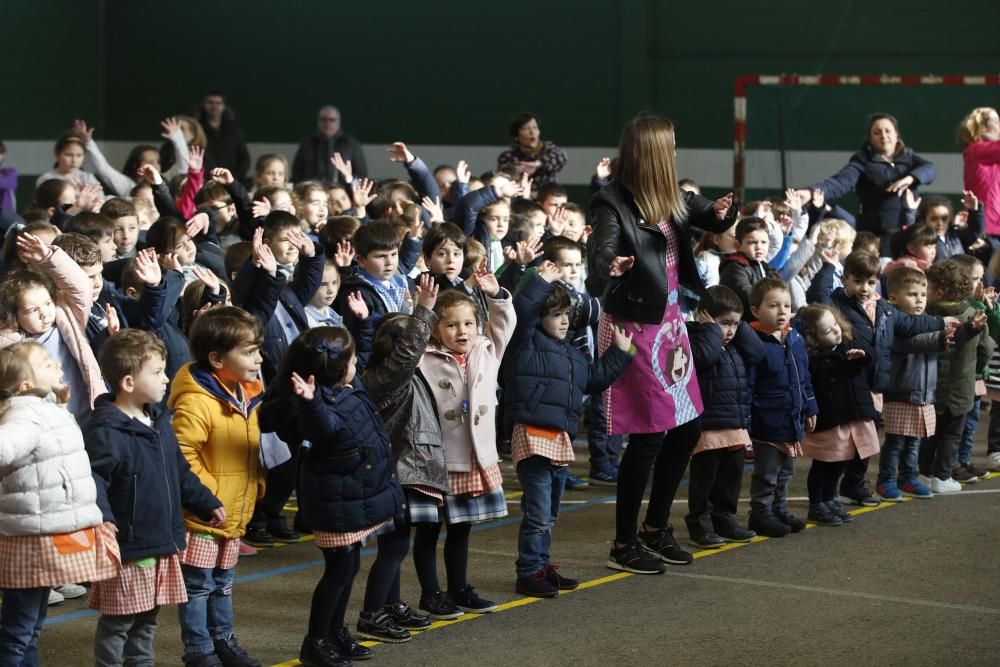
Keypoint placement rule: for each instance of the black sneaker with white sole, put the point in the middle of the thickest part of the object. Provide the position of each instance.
(405, 617)
(439, 606)
(633, 558)
(379, 626)
(661, 543)
(467, 600)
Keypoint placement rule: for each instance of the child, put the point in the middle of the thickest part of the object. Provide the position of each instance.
(709, 252)
(948, 287)
(347, 493)
(270, 170)
(908, 412)
(575, 226)
(740, 270)
(445, 250)
(215, 401)
(123, 217)
(51, 528)
(339, 200)
(461, 367)
(836, 239)
(724, 350)
(142, 482)
(936, 212)
(546, 380)
(311, 205)
(914, 247)
(57, 321)
(319, 310)
(98, 228)
(845, 426)
(783, 409)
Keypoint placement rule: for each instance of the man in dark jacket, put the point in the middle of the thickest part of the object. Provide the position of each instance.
(227, 146)
(312, 159)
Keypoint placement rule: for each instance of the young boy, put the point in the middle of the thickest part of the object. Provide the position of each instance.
(742, 269)
(546, 380)
(551, 197)
(948, 287)
(142, 482)
(123, 217)
(98, 228)
(875, 325)
(215, 401)
(783, 408)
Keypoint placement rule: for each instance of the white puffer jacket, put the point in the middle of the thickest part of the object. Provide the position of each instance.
(46, 485)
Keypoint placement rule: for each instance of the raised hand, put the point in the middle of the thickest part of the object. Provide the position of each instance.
(361, 194)
(304, 389)
(427, 291)
(603, 169)
(114, 323)
(910, 199)
(548, 271)
(621, 340)
(356, 304)
(170, 262)
(31, 249)
(196, 158)
(509, 188)
(262, 255)
(855, 354)
(969, 200)
(961, 220)
(223, 175)
(462, 171)
(817, 196)
(81, 130)
(557, 221)
(147, 269)
(525, 254)
(722, 205)
(344, 254)
(796, 199)
(342, 166)
(212, 282)
(89, 198)
(978, 321)
(197, 225)
(169, 125)
(398, 152)
(990, 297)
(261, 208)
(897, 187)
(300, 240)
(526, 185)
(487, 282)
(619, 265)
(433, 208)
(149, 173)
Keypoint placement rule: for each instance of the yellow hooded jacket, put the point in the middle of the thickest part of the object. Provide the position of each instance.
(220, 439)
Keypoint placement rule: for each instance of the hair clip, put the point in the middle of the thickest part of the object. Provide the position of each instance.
(329, 348)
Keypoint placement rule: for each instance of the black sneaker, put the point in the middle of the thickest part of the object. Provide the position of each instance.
(734, 533)
(201, 660)
(467, 600)
(794, 523)
(661, 543)
(859, 496)
(838, 509)
(232, 655)
(259, 537)
(379, 626)
(821, 515)
(403, 616)
(706, 540)
(280, 532)
(536, 585)
(348, 647)
(321, 653)
(439, 606)
(633, 558)
(766, 524)
(559, 581)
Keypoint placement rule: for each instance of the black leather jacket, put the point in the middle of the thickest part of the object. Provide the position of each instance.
(619, 231)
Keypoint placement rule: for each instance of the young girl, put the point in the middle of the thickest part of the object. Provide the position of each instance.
(914, 247)
(58, 321)
(13, 259)
(709, 252)
(311, 206)
(171, 238)
(845, 424)
(340, 200)
(270, 171)
(69, 160)
(461, 366)
(347, 493)
(51, 529)
(319, 310)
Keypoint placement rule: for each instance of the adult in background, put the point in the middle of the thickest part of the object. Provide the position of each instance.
(314, 157)
(979, 136)
(541, 160)
(880, 173)
(641, 261)
(227, 147)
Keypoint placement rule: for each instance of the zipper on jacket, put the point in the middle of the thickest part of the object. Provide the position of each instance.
(798, 379)
(166, 481)
(131, 514)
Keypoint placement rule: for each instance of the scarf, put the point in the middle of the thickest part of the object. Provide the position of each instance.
(777, 333)
(326, 316)
(392, 292)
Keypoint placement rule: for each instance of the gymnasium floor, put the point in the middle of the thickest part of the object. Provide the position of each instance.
(913, 583)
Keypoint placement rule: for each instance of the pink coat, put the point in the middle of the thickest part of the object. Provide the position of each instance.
(472, 437)
(982, 176)
(73, 304)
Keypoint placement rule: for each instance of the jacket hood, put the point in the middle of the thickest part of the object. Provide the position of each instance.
(192, 378)
(737, 257)
(105, 413)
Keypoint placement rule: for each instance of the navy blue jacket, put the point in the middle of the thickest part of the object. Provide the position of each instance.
(145, 312)
(143, 481)
(878, 338)
(348, 480)
(724, 374)
(782, 390)
(546, 379)
(841, 386)
(467, 214)
(739, 273)
(351, 281)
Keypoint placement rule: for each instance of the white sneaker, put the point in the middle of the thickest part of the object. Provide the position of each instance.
(945, 485)
(994, 462)
(72, 591)
(926, 481)
(55, 597)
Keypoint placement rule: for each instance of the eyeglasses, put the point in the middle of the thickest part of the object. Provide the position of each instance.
(222, 206)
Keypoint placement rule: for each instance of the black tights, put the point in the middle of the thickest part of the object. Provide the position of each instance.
(456, 556)
(383, 579)
(823, 479)
(667, 456)
(329, 603)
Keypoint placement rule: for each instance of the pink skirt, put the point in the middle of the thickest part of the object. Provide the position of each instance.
(841, 442)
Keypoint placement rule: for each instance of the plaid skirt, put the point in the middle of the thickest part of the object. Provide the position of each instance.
(422, 506)
(909, 419)
(328, 540)
(41, 561)
(140, 588)
(205, 550)
(465, 508)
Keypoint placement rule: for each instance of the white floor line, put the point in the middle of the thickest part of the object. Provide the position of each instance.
(831, 591)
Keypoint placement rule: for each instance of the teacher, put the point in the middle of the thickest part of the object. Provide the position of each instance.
(880, 173)
(641, 260)
(541, 160)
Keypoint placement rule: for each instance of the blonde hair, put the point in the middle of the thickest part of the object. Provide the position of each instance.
(971, 128)
(841, 233)
(16, 369)
(647, 166)
(199, 138)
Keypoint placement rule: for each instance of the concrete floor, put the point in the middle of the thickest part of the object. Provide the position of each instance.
(914, 583)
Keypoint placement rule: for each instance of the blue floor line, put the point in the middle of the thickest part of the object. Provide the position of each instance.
(368, 551)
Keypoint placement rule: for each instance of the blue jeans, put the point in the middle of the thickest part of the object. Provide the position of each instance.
(899, 452)
(964, 454)
(21, 618)
(604, 449)
(208, 613)
(542, 484)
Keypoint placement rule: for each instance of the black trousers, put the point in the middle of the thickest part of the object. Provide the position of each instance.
(714, 483)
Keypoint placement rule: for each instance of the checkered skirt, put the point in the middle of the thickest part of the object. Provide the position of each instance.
(204, 550)
(553, 444)
(39, 561)
(909, 419)
(424, 504)
(138, 589)
(328, 540)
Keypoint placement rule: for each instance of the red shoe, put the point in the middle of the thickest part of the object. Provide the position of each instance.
(246, 551)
